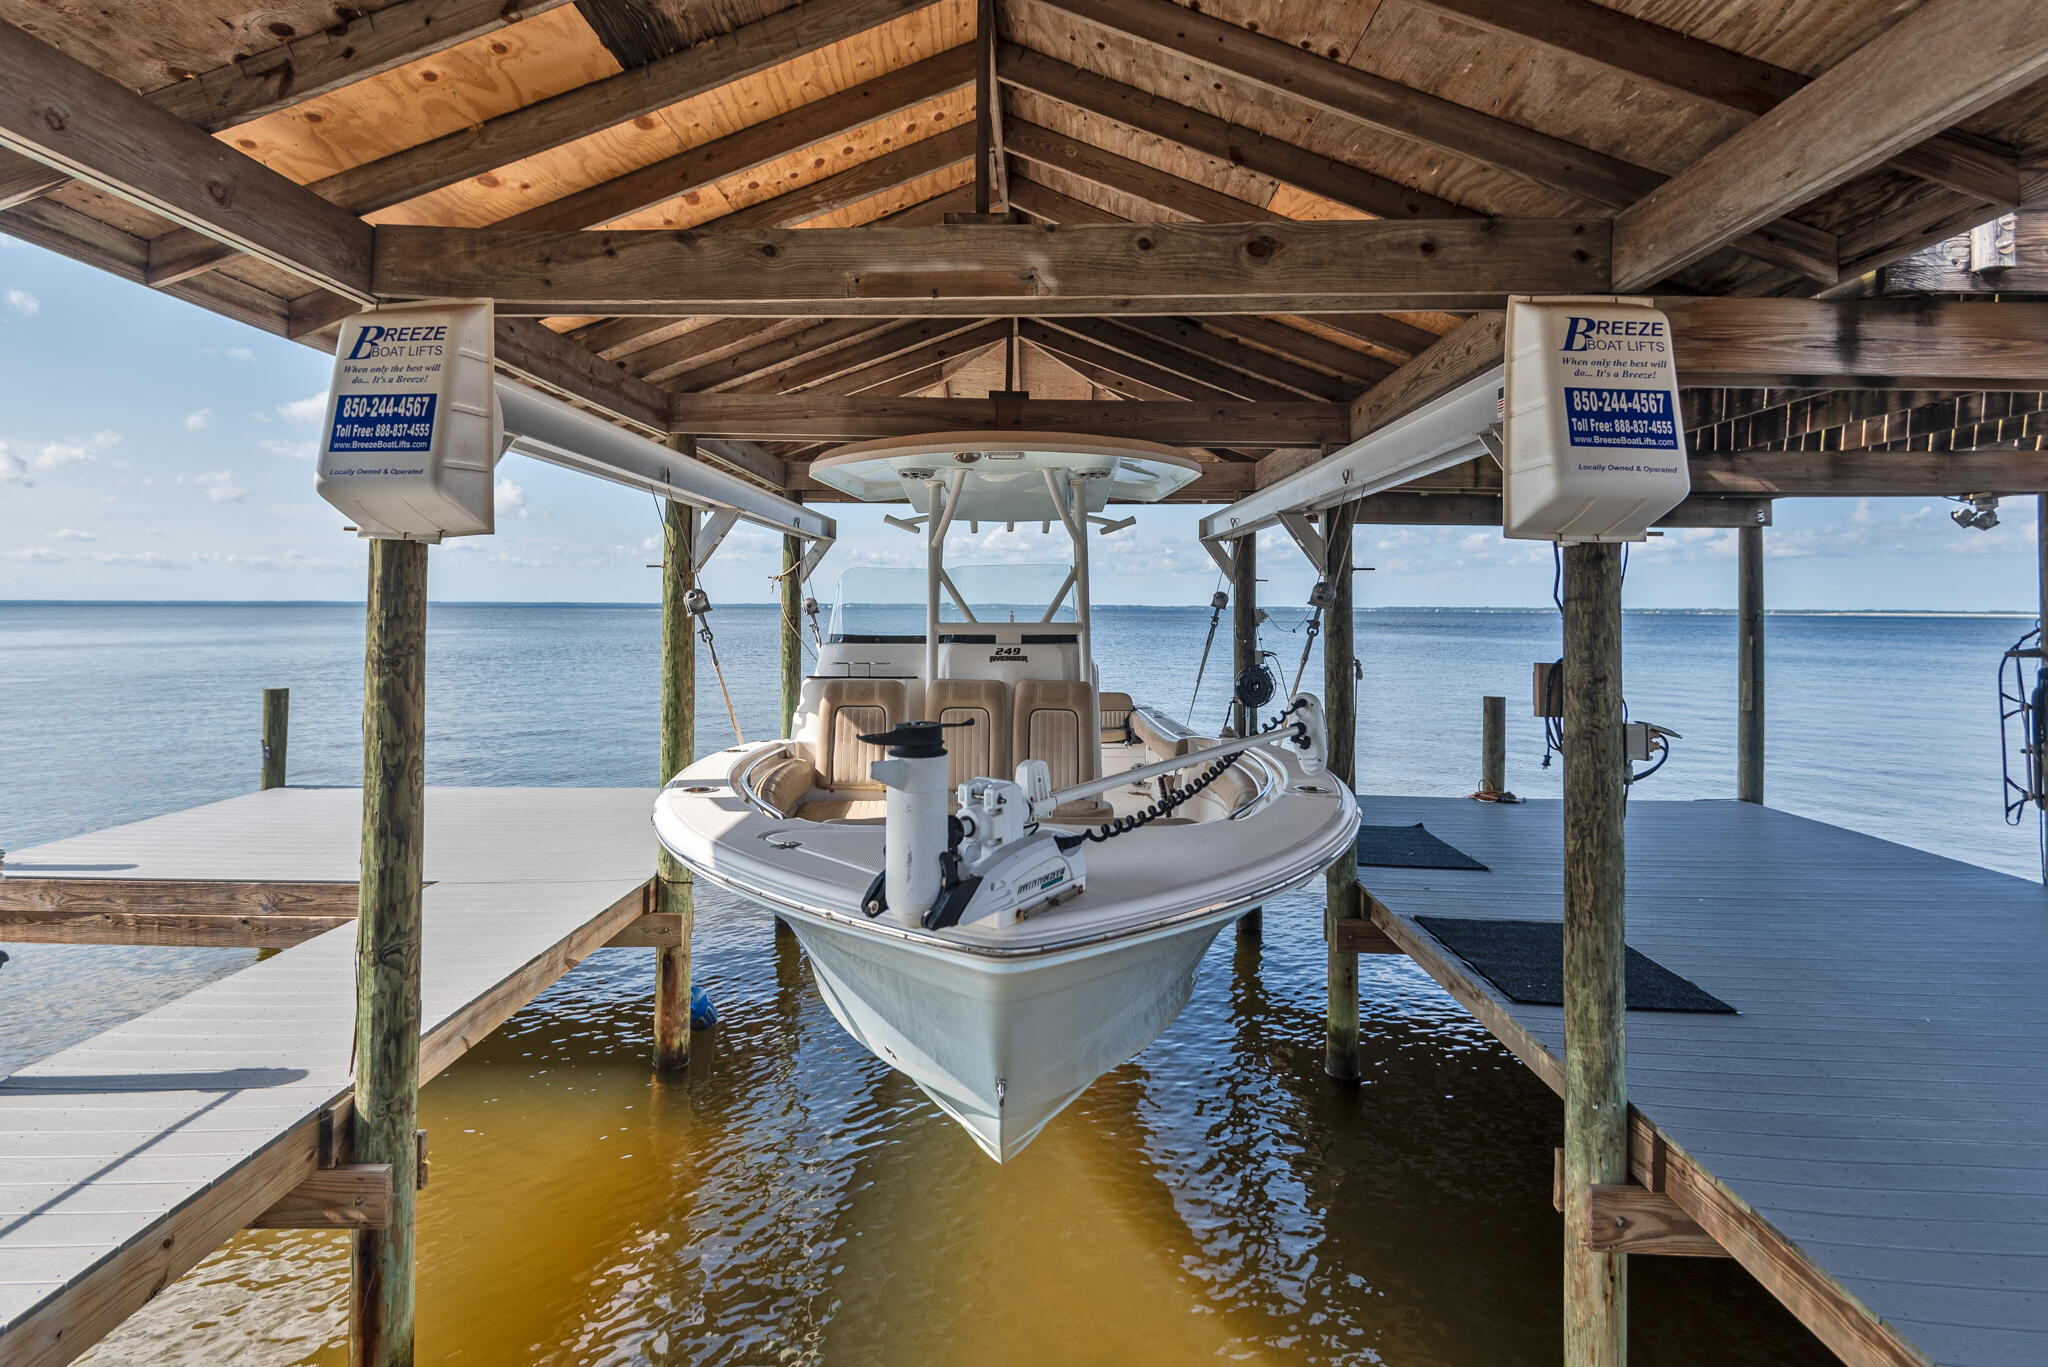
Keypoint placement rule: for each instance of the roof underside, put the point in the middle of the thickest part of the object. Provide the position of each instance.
(841, 113)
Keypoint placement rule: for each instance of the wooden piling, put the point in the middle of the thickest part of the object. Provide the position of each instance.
(277, 716)
(1340, 1040)
(1493, 745)
(1749, 718)
(387, 1050)
(1244, 652)
(678, 749)
(1595, 885)
(792, 629)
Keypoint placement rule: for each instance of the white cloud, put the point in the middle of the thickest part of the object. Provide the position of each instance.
(199, 419)
(220, 485)
(291, 562)
(307, 410)
(55, 455)
(508, 497)
(241, 353)
(149, 560)
(290, 450)
(71, 534)
(24, 303)
(42, 555)
(13, 469)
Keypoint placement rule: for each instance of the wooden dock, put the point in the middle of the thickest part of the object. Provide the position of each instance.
(128, 1158)
(1866, 1135)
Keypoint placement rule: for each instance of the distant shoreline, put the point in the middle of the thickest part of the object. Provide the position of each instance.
(1992, 613)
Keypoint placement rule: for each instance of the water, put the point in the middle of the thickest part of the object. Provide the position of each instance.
(792, 1200)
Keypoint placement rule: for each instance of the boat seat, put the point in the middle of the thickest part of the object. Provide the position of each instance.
(849, 709)
(1161, 734)
(1114, 709)
(782, 783)
(982, 749)
(1052, 720)
(867, 811)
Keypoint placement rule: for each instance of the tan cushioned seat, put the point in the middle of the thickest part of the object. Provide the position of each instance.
(982, 749)
(1115, 711)
(849, 709)
(1051, 721)
(782, 782)
(1162, 735)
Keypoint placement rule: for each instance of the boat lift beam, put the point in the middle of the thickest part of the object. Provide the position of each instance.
(1448, 431)
(547, 429)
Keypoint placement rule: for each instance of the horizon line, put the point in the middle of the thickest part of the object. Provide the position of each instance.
(1168, 607)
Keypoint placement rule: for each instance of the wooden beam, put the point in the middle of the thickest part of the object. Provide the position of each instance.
(865, 350)
(898, 166)
(1001, 270)
(1936, 66)
(1227, 142)
(1035, 145)
(1375, 102)
(1410, 507)
(1587, 32)
(1160, 357)
(1110, 369)
(747, 51)
(1627, 1218)
(809, 343)
(1870, 474)
(770, 140)
(65, 114)
(1048, 205)
(550, 361)
(1298, 345)
(348, 1196)
(813, 417)
(909, 349)
(1859, 343)
(1190, 335)
(1470, 349)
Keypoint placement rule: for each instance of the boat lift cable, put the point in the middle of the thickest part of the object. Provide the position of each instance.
(789, 623)
(698, 604)
(1218, 601)
(1320, 597)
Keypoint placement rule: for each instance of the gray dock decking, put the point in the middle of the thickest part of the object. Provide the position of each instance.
(1879, 1100)
(127, 1157)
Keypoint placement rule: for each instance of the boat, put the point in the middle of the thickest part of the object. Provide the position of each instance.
(1005, 878)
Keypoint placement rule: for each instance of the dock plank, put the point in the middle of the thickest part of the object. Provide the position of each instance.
(127, 1158)
(1876, 1105)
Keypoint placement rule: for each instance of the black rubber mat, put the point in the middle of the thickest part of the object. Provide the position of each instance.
(1525, 960)
(1410, 847)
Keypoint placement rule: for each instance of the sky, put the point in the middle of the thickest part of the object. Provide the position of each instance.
(151, 450)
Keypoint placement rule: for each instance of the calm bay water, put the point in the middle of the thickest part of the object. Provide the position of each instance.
(793, 1200)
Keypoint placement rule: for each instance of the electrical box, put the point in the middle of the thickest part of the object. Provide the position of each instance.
(1549, 688)
(412, 434)
(1593, 448)
(1639, 738)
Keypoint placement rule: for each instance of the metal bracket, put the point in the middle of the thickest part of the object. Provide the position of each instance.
(716, 525)
(1225, 561)
(1308, 538)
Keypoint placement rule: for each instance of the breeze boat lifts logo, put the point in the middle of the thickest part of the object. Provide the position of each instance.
(1616, 355)
(385, 397)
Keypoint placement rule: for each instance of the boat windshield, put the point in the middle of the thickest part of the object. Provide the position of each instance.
(878, 602)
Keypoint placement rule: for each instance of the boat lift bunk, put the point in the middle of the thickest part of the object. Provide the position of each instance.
(1005, 879)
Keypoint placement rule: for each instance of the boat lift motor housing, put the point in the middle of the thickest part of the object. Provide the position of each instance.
(1593, 444)
(914, 838)
(413, 429)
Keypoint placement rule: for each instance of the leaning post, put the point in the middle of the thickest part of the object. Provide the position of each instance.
(1749, 612)
(1244, 653)
(1595, 885)
(277, 730)
(384, 1261)
(672, 892)
(1340, 1037)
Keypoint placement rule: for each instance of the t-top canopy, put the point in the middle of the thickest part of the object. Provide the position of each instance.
(1002, 474)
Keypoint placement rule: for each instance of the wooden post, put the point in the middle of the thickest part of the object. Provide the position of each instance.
(1749, 612)
(1595, 885)
(277, 717)
(1493, 745)
(678, 748)
(1340, 1040)
(388, 943)
(1244, 652)
(984, 105)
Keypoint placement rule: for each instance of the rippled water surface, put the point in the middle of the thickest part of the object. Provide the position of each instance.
(792, 1200)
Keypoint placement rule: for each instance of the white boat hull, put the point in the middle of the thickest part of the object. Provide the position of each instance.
(1004, 1045)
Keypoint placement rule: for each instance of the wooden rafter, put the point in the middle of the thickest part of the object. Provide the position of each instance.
(914, 360)
(827, 417)
(1227, 142)
(806, 345)
(869, 349)
(1375, 102)
(1133, 337)
(1716, 77)
(1114, 370)
(1035, 145)
(1007, 270)
(1936, 66)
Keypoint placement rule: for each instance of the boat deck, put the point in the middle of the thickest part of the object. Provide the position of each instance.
(1867, 1135)
(126, 1159)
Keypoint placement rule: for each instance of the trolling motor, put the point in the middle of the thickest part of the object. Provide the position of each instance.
(993, 858)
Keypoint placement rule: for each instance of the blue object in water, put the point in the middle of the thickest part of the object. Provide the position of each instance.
(703, 1015)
